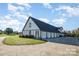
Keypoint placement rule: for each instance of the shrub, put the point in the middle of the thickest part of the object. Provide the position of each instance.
(20, 35)
(26, 36)
(31, 36)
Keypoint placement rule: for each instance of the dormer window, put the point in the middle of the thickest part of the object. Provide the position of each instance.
(29, 24)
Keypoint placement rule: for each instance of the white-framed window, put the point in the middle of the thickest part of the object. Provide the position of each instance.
(29, 24)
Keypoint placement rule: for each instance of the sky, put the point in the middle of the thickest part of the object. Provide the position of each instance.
(15, 15)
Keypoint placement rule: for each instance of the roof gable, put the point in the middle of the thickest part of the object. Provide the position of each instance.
(43, 26)
(33, 25)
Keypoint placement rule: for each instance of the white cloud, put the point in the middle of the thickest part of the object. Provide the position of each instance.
(10, 23)
(19, 15)
(12, 7)
(7, 17)
(16, 17)
(20, 8)
(44, 20)
(29, 14)
(26, 5)
(47, 5)
(58, 22)
(72, 11)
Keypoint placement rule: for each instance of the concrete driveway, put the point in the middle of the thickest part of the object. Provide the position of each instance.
(45, 49)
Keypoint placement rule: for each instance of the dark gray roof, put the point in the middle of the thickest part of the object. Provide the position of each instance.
(44, 26)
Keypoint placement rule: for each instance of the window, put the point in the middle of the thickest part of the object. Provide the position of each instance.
(29, 24)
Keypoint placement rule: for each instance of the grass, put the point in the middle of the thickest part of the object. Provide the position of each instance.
(3, 35)
(16, 40)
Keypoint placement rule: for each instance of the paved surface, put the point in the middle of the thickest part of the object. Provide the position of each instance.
(45, 49)
(66, 40)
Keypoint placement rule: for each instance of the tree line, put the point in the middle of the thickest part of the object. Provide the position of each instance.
(8, 31)
(73, 33)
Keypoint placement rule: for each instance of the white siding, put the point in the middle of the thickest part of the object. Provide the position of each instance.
(33, 25)
(52, 35)
(37, 33)
(55, 34)
(25, 33)
(48, 34)
(43, 34)
(32, 32)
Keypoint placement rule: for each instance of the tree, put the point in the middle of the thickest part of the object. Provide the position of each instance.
(73, 33)
(9, 31)
(0, 31)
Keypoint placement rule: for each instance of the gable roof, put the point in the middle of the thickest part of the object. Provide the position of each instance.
(44, 26)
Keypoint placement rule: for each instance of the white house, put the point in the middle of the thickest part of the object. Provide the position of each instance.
(40, 29)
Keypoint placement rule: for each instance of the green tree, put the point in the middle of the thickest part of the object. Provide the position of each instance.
(0, 31)
(73, 33)
(8, 31)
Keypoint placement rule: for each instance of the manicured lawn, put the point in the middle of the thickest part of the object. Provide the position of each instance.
(16, 40)
(3, 35)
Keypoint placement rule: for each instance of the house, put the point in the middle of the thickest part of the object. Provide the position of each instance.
(40, 29)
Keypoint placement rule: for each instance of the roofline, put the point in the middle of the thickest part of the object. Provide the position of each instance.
(36, 24)
(44, 22)
(26, 23)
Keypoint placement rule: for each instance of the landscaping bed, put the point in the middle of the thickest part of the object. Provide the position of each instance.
(16, 40)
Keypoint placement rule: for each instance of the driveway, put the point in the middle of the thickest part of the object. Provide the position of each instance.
(45, 49)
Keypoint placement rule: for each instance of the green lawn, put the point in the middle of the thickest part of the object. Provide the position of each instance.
(3, 35)
(16, 40)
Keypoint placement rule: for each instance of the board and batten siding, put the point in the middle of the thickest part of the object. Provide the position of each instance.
(43, 34)
(52, 35)
(33, 27)
(25, 32)
(49, 34)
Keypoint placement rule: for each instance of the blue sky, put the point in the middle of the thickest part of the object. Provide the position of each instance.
(15, 15)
